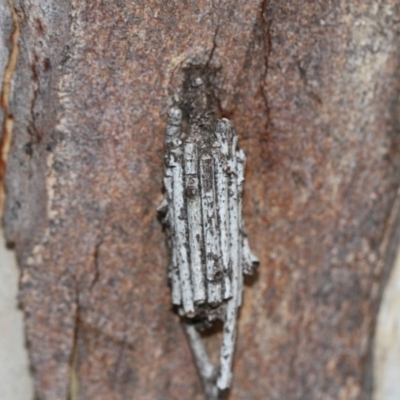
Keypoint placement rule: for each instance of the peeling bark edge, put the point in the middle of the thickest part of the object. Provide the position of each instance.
(7, 122)
(390, 249)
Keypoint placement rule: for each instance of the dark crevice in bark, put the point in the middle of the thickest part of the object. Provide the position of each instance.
(266, 41)
(96, 261)
(207, 106)
(35, 78)
(118, 363)
(73, 363)
(210, 57)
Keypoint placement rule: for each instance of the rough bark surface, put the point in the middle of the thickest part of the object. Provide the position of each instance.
(313, 91)
(6, 26)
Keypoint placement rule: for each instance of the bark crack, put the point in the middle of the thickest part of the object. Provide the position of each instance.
(211, 55)
(119, 362)
(74, 381)
(96, 262)
(266, 44)
(33, 102)
(6, 136)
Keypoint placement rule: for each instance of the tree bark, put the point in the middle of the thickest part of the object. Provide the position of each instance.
(313, 90)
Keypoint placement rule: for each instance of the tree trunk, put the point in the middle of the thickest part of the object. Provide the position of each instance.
(313, 90)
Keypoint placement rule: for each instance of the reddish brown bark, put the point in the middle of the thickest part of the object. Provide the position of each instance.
(313, 91)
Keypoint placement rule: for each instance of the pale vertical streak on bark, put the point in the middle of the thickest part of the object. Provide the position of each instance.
(209, 227)
(174, 270)
(194, 222)
(180, 233)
